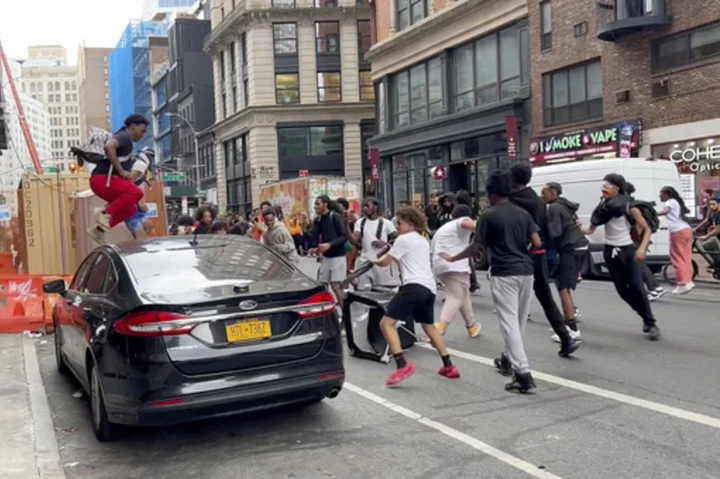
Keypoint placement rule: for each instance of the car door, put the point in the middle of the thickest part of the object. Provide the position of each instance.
(87, 306)
(66, 311)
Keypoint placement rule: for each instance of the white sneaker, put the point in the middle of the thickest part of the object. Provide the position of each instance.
(656, 294)
(684, 289)
(573, 334)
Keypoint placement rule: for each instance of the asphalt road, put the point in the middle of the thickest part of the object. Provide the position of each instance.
(623, 408)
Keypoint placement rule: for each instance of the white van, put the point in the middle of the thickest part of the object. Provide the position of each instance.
(582, 183)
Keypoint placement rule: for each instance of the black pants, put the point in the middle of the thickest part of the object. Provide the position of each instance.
(627, 275)
(543, 293)
(649, 278)
(473, 275)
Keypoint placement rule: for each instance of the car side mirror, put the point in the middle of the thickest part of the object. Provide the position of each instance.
(57, 286)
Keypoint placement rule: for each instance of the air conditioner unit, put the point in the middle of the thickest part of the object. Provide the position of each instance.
(622, 96)
(661, 88)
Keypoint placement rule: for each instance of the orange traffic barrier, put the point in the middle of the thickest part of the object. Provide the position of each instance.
(23, 304)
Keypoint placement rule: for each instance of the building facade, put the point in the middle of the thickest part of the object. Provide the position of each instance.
(16, 159)
(94, 88)
(292, 92)
(452, 83)
(55, 84)
(159, 9)
(130, 74)
(628, 78)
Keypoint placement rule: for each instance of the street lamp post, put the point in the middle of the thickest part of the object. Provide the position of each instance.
(197, 146)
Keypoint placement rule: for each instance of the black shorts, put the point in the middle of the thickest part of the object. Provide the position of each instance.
(412, 301)
(568, 269)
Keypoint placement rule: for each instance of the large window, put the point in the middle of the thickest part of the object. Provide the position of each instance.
(238, 174)
(285, 38)
(419, 93)
(545, 25)
(327, 37)
(287, 88)
(573, 94)
(329, 87)
(367, 89)
(687, 48)
(410, 12)
(489, 69)
(316, 148)
(364, 37)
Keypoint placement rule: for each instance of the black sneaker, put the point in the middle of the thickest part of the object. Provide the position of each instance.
(474, 288)
(567, 349)
(521, 383)
(652, 332)
(503, 365)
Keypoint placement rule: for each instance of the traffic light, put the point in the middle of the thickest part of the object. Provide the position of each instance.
(73, 168)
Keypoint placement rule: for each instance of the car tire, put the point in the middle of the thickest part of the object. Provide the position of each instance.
(104, 430)
(59, 358)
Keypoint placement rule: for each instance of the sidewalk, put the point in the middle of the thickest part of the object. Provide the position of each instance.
(703, 275)
(27, 436)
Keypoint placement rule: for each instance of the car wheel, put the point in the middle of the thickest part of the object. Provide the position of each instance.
(104, 430)
(59, 359)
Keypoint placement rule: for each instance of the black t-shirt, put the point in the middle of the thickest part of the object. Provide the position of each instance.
(714, 219)
(505, 230)
(125, 148)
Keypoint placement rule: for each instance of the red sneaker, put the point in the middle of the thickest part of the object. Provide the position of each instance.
(451, 372)
(401, 374)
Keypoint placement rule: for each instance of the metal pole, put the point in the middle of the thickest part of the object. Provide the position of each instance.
(197, 163)
(63, 254)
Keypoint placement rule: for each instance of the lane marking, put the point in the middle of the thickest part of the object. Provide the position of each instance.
(476, 444)
(597, 391)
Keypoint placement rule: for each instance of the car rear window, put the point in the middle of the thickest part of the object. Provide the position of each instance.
(184, 267)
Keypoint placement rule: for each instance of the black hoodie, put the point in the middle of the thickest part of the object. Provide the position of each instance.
(563, 232)
(527, 199)
(444, 215)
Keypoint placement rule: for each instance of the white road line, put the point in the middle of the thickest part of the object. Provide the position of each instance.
(604, 393)
(508, 459)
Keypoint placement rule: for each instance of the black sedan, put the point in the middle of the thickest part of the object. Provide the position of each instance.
(169, 330)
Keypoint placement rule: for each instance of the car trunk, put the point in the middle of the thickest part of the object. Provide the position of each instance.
(245, 329)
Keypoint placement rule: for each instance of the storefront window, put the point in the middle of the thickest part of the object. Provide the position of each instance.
(400, 188)
(698, 162)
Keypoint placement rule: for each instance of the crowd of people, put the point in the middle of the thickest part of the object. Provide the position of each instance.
(531, 240)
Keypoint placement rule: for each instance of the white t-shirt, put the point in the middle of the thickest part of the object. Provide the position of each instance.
(452, 239)
(617, 232)
(413, 253)
(370, 235)
(674, 216)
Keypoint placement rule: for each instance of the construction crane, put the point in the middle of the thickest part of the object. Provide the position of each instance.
(21, 114)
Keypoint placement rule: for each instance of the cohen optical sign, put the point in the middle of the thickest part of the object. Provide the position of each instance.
(697, 160)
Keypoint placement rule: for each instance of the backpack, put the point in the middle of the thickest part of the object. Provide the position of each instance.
(93, 150)
(647, 209)
(378, 233)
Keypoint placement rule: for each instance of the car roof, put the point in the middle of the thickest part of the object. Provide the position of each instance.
(150, 245)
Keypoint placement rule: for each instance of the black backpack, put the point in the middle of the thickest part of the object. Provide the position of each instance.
(378, 233)
(648, 211)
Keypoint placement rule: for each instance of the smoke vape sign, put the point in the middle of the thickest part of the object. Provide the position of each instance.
(620, 138)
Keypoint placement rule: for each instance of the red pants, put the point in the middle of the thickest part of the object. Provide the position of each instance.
(681, 255)
(122, 196)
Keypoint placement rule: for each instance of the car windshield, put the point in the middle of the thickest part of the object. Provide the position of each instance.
(214, 263)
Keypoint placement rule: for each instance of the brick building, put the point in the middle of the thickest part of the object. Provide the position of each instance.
(452, 87)
(632, 77)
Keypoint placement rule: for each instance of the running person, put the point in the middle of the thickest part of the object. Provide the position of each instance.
(506, 230)
(623, 259)
(527, 199)
(415, 298)
(572, 248)
(110, 179)
(452, 238)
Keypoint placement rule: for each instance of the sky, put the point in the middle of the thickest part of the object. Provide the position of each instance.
(99, 23)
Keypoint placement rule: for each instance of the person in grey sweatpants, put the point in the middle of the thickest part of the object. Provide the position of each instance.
(506, 231)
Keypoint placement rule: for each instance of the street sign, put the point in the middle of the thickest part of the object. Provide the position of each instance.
(201, 194)
(438, 172)
(167, 191)
(304, 173)
(152, 211)
(179, 178)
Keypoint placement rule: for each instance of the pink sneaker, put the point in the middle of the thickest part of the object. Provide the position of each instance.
(451, 372)
(401, 374)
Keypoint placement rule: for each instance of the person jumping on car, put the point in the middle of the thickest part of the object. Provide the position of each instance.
(110, 180)
(415, 298)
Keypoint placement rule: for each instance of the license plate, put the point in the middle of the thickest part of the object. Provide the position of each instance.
(248, 331)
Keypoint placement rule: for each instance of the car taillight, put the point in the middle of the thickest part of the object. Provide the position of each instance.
(153, 324)
(317, 305)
